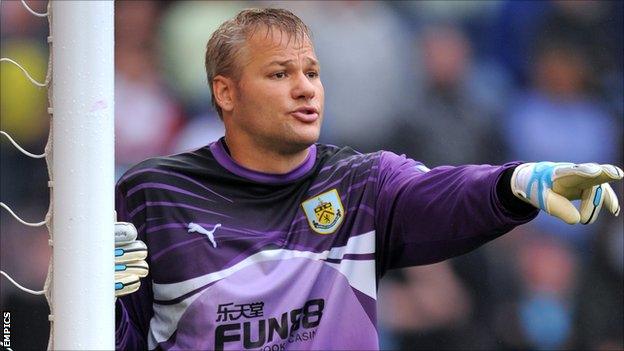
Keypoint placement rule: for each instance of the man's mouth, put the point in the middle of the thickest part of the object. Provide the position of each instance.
(306, 114)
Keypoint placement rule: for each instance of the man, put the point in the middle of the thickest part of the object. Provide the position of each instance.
(265, 240)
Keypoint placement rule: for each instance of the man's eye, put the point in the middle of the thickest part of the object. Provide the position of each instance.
(279, 75)
(312, 74)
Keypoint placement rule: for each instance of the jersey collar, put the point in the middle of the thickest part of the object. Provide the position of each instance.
(225, 160)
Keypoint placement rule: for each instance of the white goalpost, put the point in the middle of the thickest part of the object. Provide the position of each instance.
(82, 175)
(80, 158)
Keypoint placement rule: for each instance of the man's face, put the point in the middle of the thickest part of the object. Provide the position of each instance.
(279, 97)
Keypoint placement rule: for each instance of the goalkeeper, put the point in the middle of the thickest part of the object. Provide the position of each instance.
(267, 240)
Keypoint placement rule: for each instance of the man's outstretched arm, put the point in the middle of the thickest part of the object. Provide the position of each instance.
(425, 217)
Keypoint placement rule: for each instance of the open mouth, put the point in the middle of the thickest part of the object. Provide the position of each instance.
(306, 114)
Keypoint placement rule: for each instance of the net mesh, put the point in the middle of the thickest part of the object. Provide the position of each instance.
(47, 287)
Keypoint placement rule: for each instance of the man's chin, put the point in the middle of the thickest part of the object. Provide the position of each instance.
(299, 142)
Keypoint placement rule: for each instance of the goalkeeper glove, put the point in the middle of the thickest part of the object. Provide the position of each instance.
(551, 186)
(130, 256)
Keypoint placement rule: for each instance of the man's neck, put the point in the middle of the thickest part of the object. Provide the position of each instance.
(264, 160)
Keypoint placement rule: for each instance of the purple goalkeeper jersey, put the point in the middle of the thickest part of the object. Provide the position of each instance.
(246, 260)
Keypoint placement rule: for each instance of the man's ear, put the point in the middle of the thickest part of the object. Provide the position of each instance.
(223, 90)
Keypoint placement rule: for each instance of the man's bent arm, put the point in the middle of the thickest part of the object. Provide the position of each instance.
(424, 217)
(133, 312)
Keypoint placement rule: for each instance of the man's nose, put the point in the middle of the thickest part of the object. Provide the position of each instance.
(302, 87)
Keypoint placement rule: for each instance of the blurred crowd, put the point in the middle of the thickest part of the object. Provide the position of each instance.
(444, 82)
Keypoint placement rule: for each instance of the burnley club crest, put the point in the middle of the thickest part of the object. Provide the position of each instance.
(324, 212)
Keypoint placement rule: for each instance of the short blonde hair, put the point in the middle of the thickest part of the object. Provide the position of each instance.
(227, 41)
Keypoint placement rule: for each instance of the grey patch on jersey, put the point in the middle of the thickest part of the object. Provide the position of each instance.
(165, 320)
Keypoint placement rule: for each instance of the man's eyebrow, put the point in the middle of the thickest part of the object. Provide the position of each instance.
(280, 63)
(289, 62)
(312, 61)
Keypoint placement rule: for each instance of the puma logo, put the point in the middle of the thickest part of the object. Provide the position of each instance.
(194, 227)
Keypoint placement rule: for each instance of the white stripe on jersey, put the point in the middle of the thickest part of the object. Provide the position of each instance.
(360, 244)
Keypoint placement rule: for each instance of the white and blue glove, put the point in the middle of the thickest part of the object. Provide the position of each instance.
(552, 186)
(130, 255)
